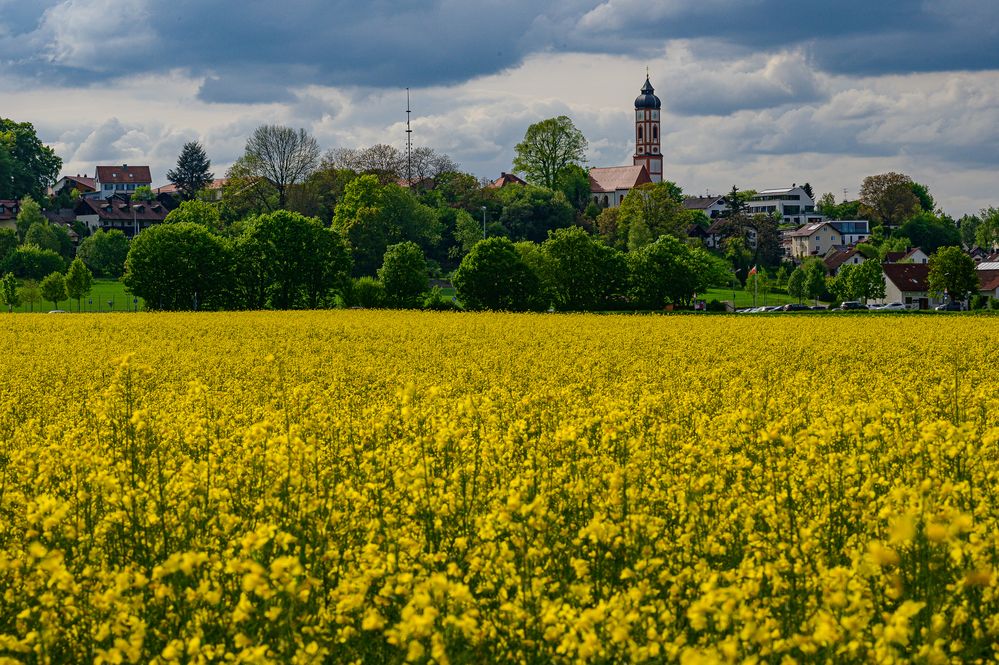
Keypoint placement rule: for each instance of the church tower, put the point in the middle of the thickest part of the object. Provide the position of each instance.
(647, 152)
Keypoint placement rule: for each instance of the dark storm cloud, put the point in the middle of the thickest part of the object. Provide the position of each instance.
(255, 50)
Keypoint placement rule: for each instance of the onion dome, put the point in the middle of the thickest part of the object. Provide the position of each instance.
(648, 100)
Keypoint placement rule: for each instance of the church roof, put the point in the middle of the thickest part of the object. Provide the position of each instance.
(613, 178)
(648, 99)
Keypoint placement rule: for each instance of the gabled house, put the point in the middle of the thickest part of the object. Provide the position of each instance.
(124, 179)
(8, 213)
(908, 283)
(118, 212)
(83, 184)
(914, 255)
(609, 186)
(793, 204)
(816, 238)
(988, 280)
(711, 206)
(840, 257)
(505, 180)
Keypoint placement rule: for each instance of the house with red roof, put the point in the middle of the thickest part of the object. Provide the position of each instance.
(8, 213)
(908, 283)
(124, 179)
(609, 186)
(505, 180)
(119, 212)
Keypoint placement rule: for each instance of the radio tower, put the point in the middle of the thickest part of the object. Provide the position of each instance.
(409, 143)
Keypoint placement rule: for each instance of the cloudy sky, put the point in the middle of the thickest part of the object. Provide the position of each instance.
(756, 93)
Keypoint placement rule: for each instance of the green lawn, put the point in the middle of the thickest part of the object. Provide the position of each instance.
(744, 298)
(105, 296)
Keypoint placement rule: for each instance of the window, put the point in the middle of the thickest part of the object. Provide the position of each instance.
(641, 133)
(655, 133)
(641, 150)
(108, 187)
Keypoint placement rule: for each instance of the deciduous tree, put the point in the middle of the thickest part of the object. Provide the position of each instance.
(548, 147)
(105, 252)
(953, 272)
(404, 274)
(9, 292)
(282, 156)
(494, 276)
(582, 273)
(54, 289)
(888, 198)
(27, 166)
(79, 282)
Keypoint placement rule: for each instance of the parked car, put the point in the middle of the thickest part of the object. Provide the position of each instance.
(819, 308)
(851, 305)
(57, 311)
(795, 307)
(952, 306)
(894, 307)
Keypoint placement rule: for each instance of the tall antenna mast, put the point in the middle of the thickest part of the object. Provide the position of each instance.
(409, 143)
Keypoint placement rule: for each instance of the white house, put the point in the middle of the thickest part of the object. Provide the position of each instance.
(609, 186)
(908, 283)
(914, 255)
(124, 179)
(793, 203)
(817, 238)
(838, 258)
(711, 206)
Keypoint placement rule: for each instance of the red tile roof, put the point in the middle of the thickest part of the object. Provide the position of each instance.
(989, 279)
(614, 178)
(120, 210)
(908, 277)
(839, 258)
(504, 180)
(138, 175)
(218, 183)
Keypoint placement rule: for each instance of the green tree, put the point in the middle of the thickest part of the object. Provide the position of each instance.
(671, 271)
(649, 212)
(888, 198)
(33, 262)
(27, 166)
(105, 252)
(8, 243)
(368, 292)
(987, 233)
(953, 272)
(142, 193)
(815, 278)
(404, 274)
(796, 284)
(928, 232)
(30, 293)
(30, 213)
(192, 174)
(867, 281)
(289, 261)
(179, 267)
(9, 292)
(54, 289)
(968, 226)
(549, 147)
(841, 286)
(79, 282)
(529, 213)
(581, 272)
(574, 183)
(371, 216)
(196, 212)
(922, 194)
(494, 276)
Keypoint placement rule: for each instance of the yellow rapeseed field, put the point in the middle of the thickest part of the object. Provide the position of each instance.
(388, 487)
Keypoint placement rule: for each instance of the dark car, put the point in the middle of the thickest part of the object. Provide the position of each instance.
(952, 306)
(852, 305)
(819, 308)
(795, 307)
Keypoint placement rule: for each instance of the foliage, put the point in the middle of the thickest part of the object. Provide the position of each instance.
(30, 293)
(796, 284)
(404, 274)
(33, 262)
(549, 146)
(53, 288)
(179, 267)
(436, 301)
(922, 194)
(815, 278)
(649, 212)
(8, 243)
(494, 276)
(928, 232)
(29, 214)
(529, 213)
(79, 281)
(192, 174)
(196, 211)
(368, 292)
(289, 261)
(105, 252)
(670, 271)
(581, 272)
(9, 294)
(143, 193)
(888, 198)
(371, 216)
(953, 272)
(27, 166)
(863, 281)
(846, 210)
(987, 233)
(574, 183)
(50, 236)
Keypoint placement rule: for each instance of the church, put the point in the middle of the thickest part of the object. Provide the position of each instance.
(609, 186)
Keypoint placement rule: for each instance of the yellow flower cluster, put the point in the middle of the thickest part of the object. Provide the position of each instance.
(390, 487)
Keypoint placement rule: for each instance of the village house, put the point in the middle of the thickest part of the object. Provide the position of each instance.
(609, 186)
(214, 188)
(914, 255)
(837, 258)
(505, 180)
(793, 204)
(815, 239)
(118, 212)
(711, 206)
(8, 213)
(82, 184)
(124, 179)
(988, 278)
(908, 283)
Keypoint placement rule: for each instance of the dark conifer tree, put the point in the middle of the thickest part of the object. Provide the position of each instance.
(191, 174)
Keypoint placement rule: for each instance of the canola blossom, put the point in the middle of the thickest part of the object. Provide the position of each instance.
(392, 487)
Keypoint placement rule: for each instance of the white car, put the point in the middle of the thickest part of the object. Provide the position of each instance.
(893, 307)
